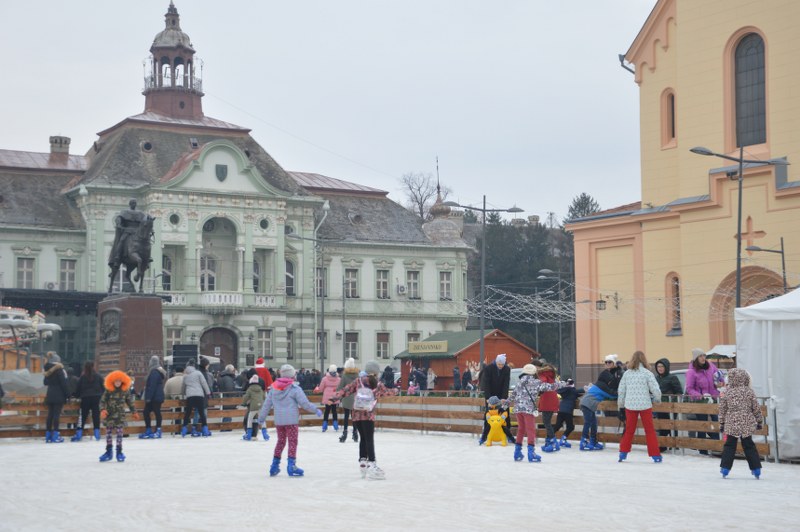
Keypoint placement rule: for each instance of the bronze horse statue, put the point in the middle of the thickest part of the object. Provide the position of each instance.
(134, 252)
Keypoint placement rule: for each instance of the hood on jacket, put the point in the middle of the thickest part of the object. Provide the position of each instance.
(117, 375)
(51, 368)
(189, 370)
(665, 363)
(738, 377)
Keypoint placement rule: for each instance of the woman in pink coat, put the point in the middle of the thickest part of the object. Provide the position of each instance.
(701, 386)
(328, 386)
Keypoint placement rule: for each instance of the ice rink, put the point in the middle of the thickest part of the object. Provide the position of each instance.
(433, 482)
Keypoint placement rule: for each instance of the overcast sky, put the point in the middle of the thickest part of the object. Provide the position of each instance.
(522, 100)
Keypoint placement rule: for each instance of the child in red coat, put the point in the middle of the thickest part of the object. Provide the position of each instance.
(548, 405)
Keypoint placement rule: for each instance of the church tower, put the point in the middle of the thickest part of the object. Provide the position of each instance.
(172, 86)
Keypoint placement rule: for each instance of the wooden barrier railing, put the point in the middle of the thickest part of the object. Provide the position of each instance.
(455, 412)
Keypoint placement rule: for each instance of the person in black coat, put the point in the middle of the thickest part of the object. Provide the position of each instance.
(495, 380)
(55, 378)
(153, 395)
(670, 387)
(456, 379)
(387, 378)
(89, 390)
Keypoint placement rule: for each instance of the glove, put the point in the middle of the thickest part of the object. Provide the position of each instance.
(136, 416)
(318, 412)
(103, 414)
(621, 414)
(759, 426)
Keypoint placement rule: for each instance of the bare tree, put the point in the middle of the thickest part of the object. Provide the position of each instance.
(420, 192)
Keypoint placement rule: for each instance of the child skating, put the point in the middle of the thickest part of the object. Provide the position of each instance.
(286, 396)
(739, 417)
(524, 399)
(367, 389)
(254, 399)
(115, 398)
(328, 385)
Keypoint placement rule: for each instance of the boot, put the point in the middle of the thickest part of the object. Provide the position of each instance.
(556, 444)
(292, 470)
(355, 435)
(623, 456)
(105, 457)
(756, 473)
(78, 435)
(585, 445)
(146, 435)
(532, 456)
(564, 442)
(47, 436)
(335, 425)
(248, 435)
(184, 430)
(374, 472)
(275, 468)
(55, 437)
(264, 433)
(343, 437)
(596, 445)
(548, 446)
(725, 472)
(518, 452)
(324, 426)
(157, 433)
(206, 433)
(195, 434)
(657, 459)
(97, 434)
(120, 456)
(362, 466)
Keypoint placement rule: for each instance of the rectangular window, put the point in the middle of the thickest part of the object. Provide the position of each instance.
(412, 284)
(66, 277)
(446, 286)
(322, 274)
(66, 344)
(264, 344)
(289, 345)
(25, 269)
(350, 283)
(382, 345)
(412, 337)
(174, 336)
(322, 342)
(382, 284)
(351, 345)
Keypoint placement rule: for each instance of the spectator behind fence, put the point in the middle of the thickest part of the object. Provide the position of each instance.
(89, 390)
(55, 378)
(670, 387)
(701, 387)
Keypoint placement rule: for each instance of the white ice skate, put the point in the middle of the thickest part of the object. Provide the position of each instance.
(362, 465)
(374, 472)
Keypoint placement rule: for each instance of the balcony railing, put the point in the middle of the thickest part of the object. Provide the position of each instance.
(222, 302)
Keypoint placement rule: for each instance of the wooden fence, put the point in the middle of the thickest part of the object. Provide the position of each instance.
(432, 412)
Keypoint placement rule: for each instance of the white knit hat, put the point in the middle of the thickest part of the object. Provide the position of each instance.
(350, 363)
(611, 358)
(332, 368)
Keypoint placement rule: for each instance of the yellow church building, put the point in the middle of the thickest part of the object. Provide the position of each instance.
(661, 274)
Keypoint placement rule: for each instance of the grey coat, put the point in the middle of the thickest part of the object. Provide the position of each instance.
(287, 403)
(348, 377)
(194, 383)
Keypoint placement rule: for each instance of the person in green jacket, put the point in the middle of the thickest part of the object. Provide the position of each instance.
(253, 399)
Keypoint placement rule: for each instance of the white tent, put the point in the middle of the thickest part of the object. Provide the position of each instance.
(768, 347)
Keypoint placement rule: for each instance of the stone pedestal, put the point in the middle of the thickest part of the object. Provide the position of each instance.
(129, 332)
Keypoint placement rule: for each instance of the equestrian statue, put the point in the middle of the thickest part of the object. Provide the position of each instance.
(131, 247)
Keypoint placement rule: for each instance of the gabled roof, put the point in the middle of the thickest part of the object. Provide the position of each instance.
(29, 160)
(459, 341)
(322, 183)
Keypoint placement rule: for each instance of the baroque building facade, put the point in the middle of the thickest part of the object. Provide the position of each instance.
(256, 260)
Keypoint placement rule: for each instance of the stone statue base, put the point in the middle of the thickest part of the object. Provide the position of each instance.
(129, 332)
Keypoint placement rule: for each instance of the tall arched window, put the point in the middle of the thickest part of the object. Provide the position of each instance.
(751, 94)
(674, 312)
(289, 278)
(256, 276)
(668, 125)
(166, 272)
(208, 273)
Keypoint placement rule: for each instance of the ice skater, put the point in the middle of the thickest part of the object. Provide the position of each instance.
(367, 389)
(524, 399)
(112, 409)
(286, 396)
(349, 374)
(328, 385)
(739, 417)
(254, 399)
(566, 407)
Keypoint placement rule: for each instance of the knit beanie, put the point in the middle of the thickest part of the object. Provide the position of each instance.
(332, 369)
(287, 370)
(696, 352)
(350, 363)
(372, 367)
(529, 369)
(501, 358)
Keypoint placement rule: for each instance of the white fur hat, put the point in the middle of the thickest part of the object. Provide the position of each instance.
(350, 363)
(611, 358)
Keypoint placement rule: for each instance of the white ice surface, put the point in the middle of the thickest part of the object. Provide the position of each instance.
(433, 482)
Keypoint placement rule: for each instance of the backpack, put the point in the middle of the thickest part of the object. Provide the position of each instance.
(365, 398)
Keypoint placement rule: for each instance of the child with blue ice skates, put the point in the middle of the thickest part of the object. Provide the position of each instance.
(113, 403)
(739, 417)
(524, 400)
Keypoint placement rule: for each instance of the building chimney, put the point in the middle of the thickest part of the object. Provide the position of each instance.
(59, 144)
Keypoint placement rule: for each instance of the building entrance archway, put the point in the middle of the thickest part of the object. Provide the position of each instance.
(221, 343)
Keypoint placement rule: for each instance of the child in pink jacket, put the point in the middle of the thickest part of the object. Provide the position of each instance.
(328, 386)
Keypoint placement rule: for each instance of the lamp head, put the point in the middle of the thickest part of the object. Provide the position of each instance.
(753, 248)
(700, 150)
(515, 209)
(451, 204)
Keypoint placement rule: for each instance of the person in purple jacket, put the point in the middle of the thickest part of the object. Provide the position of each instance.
(701, 386)
(286, 396)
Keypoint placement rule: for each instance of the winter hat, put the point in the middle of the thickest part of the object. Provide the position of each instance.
(372, 368)
(351, 363)
(501, 358)
(287, 371)
(229, 368)
(696, 352)
(529, 369)
(332, 368)
(253, 379)
(611, 358)
(259, 362)
(204, 362)
(117, 375)
(493, 401)
(570, 382)
(154, 363)
(54, 358)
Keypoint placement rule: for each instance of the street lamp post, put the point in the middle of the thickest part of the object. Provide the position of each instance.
(483, 211)
(699, 150)
(783, 260)
(548, 274)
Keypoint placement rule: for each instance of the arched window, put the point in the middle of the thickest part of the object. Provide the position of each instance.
(289, 278)
(674, 312)
(256, 276)
(750, 90)
(166, 272)
(208, 273)
(668, 127)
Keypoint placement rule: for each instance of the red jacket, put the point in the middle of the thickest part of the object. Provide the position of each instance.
(548, 401)
(263, 372)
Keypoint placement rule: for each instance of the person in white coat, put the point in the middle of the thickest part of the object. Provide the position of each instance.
(638, 390)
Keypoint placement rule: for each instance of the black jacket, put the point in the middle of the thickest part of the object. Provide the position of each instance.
(89, 386)
(608, 380)
(55, 378)
(569, 397)
(495, 381)
(669, 384)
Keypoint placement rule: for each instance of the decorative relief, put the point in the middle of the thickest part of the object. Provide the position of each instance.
(109, 326)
